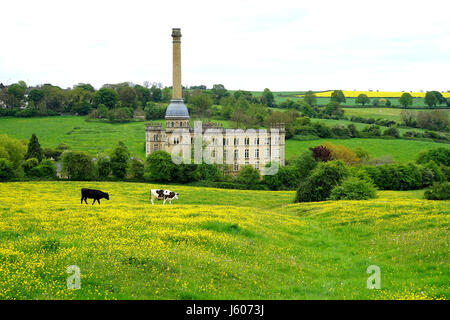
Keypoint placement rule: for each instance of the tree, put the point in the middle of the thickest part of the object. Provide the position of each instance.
(338, 96)
(408, 117)
(119, 160)
(12, 150)
(36, 96)
(321, 153)
(430, 99)
(209, 172)
(439, 97)
(155, 93)
(218, 91)
(406, 99)
(318, 186)
(248, 175)
(103, 165)
(6, 170)
(362, 99)
(305, 163)
(136, 168)
(16, 94)
(201, 101)
(106, 96)
(127, 97)
(267, 98)
(78, 165)
(159, 167)
(310, 98)
(353, 188)
(34, 149)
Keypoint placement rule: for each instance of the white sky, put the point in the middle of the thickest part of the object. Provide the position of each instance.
(282, 45)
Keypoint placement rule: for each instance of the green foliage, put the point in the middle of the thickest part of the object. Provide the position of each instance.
(187, 172)
(119, 160)
(106, 96)
(392, 132)
(396, 176)
(159, 167)
(439, 191)
(287, 178)
(78, 165)
(305, 163)
(136, 168)
(6, 170)
(439, 155)
(209, 172)
(318, 186)
(120, 115)
(430, 99)
(268, 98)
(362, 99)
(29, 164)
(353, 188)
(154, 111)
(52, 153)
(248, 175)
(103, 165)
(12, 150)
(34, 149)
(338, 96)
(433, 120)
(310, 98)
(371, 131)
(406, 99)
(46, 169)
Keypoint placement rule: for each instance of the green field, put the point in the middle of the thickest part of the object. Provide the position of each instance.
(383, 113)
(400, 149)
(218, 244)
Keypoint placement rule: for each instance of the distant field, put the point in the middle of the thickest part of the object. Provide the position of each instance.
(384, 113)
(377, 94)
(218, 244)
(400, 150)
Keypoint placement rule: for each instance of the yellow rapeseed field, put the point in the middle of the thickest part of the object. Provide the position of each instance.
(217, 244)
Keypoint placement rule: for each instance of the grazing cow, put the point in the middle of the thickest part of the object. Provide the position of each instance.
(93, 194)
(163, 195)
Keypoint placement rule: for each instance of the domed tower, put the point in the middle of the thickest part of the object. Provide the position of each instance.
(177, 115)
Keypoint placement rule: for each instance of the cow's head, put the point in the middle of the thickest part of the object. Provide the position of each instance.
(106, 196)
(176, 196)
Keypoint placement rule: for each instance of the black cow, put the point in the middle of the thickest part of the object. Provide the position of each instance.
(93, 194)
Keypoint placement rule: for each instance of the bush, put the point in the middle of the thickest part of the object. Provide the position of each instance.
(396, 176)
(391, 131)
(159, 167)
(321, 153)
(439, 191)
(29, 164)
(46, 169)
(103, 166)
(438, 155)
(187, 173)
(353, 188)
(78, 166)
(318, 186)
(341, 152)
(371, 131)
(136, 168)
(287, 178)
(119, 160)
(209, 172)
(248, 175)
(305, 163)
(6, 170)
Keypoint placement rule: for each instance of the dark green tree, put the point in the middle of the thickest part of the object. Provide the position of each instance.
(248, 175)
(159, 167)
(430, 99)
(119, 160)
(310, 98)
(338, 96)
(34, 149)
(406, 99)
(362, 99)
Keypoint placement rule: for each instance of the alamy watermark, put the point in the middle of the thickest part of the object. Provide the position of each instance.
(74, 280)
(374, 280)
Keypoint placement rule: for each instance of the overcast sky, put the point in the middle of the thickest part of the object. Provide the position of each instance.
(282, 45)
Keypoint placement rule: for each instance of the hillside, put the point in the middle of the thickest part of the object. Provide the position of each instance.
(218, 244)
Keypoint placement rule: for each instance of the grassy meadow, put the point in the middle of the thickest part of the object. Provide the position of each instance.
(94, 137)
(218, 244)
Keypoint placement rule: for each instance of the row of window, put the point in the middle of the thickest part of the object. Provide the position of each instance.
(176, 140)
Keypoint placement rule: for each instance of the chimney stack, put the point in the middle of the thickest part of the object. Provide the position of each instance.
(176, 40)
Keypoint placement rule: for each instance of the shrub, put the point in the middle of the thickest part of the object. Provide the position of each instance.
(78, 166)
(29, 164)
(340, 152)
(210, 172)
(6, 170)
(318, 186)
(396, 176)
(136, 168)
(438, 155)
(305, 163)
(287, 178)
(119, 160)
(372, 131)
(391, 131)
(34, 149)
(187, 173)
(159, 167)
(103, 165)
(46, 169)
(321, 153)
(353, 188)
(248, 175)
(439, 191)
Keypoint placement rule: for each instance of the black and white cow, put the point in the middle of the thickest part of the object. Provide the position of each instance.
(161, 194)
